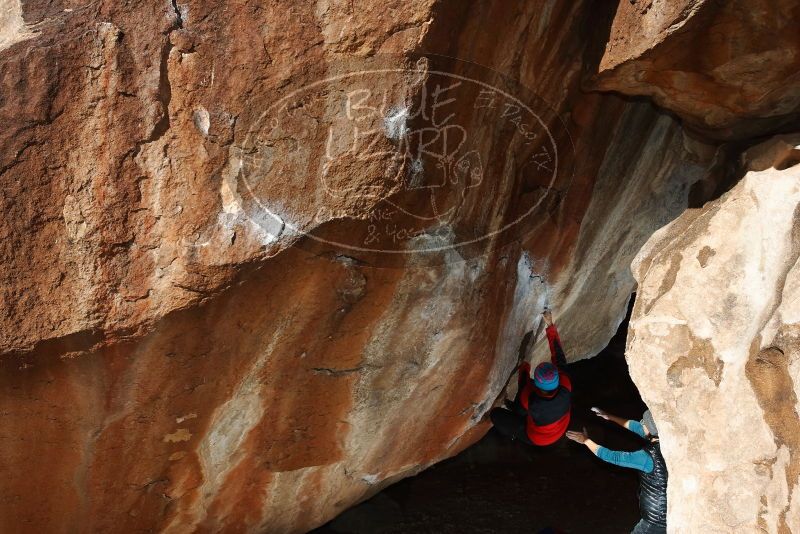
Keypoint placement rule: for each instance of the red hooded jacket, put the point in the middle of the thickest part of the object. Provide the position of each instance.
(548, 417)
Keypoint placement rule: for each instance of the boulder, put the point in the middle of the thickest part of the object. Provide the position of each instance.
(198, 331)
(727, 68)
(714, 347)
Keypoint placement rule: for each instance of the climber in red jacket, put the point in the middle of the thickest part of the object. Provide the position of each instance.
(541, 411)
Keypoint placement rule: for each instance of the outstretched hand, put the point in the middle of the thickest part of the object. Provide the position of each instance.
(578, 436)
(548, 317)
(601, 413)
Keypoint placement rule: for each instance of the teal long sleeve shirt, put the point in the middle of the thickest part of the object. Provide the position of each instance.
(634, 460)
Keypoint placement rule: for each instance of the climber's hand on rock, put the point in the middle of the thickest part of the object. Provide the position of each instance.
(548, 317)
(578, 436)
(600, 413)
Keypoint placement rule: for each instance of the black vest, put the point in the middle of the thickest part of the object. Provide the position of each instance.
(653, 488)
(546, 411)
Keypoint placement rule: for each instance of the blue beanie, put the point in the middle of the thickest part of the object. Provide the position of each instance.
(545, 377)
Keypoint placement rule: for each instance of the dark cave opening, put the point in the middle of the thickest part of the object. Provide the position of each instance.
(498, 485)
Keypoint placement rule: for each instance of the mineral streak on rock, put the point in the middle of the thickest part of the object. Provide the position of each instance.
(181, 348)
(12, 25)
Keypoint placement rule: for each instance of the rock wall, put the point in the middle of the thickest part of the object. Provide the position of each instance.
(712, 342)
(728, 69)
(716, 325)
(190, 340)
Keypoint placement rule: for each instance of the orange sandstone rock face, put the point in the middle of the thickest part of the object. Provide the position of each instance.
(191, 339)
(728, 68)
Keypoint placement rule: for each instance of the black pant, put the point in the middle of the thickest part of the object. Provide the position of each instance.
(510, 424)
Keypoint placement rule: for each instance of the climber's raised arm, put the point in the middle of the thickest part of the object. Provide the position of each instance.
(629, 424)
(557, 355)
